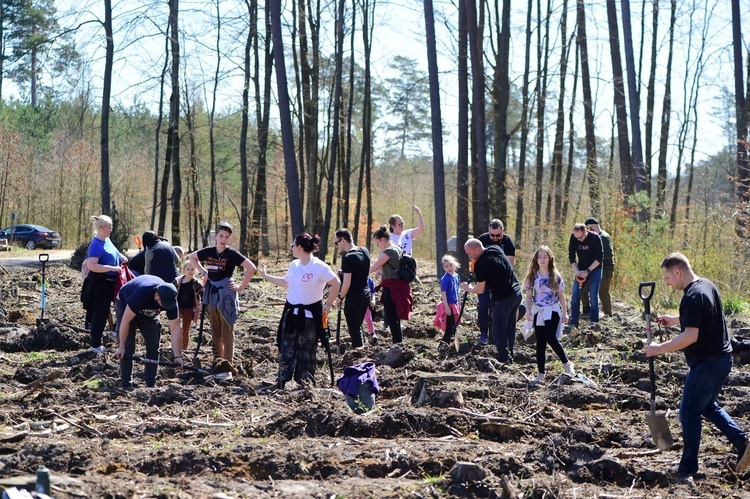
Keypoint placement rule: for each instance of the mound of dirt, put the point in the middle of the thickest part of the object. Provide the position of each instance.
(445, 423)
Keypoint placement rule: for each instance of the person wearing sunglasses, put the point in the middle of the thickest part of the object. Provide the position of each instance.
(495, 236)
(404, 238)
(355, 267)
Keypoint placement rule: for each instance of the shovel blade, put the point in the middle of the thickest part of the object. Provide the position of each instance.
(660, 432)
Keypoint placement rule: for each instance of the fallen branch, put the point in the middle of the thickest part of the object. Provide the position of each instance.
(485, 417)
(628, 455)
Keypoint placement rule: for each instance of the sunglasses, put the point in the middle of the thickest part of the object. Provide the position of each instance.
(401, 224)
(337, 241)
(496, 236)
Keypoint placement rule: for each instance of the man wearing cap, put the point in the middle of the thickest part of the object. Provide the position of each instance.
(585, 256)
(607, 273)
(137, 306)
(220, 293)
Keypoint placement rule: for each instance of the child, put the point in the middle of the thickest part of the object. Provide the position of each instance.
(545, 286)
(189, 291)
(368, 313)
(449, 289)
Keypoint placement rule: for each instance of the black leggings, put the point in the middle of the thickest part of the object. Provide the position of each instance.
(391, 315)
(546, 334)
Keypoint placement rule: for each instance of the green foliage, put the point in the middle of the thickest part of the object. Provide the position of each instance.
(734, 304)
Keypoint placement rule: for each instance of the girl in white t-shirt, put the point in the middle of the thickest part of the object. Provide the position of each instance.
(404, 238)
(544, 286)
(302, 319)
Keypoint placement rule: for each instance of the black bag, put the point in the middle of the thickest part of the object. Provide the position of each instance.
(407, 271)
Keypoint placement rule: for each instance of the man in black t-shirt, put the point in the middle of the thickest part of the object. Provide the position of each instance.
(494, 271)
(355, 267)
(705, 341)
(494, 236)
(585, 252)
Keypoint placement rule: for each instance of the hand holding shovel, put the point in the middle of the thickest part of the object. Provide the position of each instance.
(657, 423)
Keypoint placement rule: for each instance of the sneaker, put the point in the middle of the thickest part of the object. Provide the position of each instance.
(483, 339)
(223, 376)
(99, 349)
(569, 370)
(743, 461)
(539, 378)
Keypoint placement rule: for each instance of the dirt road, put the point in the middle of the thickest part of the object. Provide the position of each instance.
(21, 258)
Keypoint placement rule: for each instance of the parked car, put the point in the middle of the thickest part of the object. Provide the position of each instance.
(32, 236)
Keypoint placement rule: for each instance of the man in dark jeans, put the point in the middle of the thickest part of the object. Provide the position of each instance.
(494, 236)
(494, 271)
(585, 254)
(608, 271)
(705, 341)
(355, 267)
(138, 305)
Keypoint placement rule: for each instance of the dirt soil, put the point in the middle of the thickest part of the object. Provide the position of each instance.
(445, 424)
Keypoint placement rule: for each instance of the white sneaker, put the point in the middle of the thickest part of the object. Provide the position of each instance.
(99, 349)
(569, 370)
(223, 376)
(539, 378)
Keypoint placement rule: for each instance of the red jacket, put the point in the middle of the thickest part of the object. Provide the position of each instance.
(401, 296)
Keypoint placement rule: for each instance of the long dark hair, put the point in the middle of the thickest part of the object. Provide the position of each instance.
(308, 243)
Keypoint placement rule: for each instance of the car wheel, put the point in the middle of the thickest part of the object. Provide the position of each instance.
(30, 244)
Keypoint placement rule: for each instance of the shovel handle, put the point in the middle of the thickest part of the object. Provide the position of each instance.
(43, 257)
(646, 291)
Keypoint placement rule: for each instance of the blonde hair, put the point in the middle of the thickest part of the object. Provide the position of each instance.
(100, 221)
(185, 264)
(555, 277)
(451, 259)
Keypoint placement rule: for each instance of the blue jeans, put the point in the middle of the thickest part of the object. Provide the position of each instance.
(594, 279)
(504, 325)
(702, 387)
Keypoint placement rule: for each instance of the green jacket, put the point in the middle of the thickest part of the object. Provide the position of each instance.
(609, 256)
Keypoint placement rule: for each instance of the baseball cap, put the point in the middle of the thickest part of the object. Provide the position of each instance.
(168, 295)
(592, 221)
(225, 226)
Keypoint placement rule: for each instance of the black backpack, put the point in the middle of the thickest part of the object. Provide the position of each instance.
(407, 271)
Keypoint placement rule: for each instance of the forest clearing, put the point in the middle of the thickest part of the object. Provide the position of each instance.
(446, 423)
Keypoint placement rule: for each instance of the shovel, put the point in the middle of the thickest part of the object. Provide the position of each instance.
(137, 240)
(196, 360)
(657, 423)
(44, 258)
(168, 364)
(338, 332)
(456, 342)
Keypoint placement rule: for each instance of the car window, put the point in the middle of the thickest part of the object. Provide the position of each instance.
(22, 229)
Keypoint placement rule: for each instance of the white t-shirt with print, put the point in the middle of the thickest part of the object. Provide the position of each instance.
(307, 282)
(404, 241)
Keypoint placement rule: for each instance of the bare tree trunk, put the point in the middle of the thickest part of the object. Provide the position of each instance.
(542, 65)
(106, 91)
(157, 133)
(623, 141)
(287, 134)
(310, 75)
(462, 161)
(501, 99)
(259, 231)
(244, 124)
(557, 152)
(368, 9)
(592, 170)
(438, 168)
(651, 97)
(639, 170)
(661, 179)
(174, 122)
(335, 129)
(192, 199)
(349, 110)
(743, 175)
(524, 128)
(481, 202)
